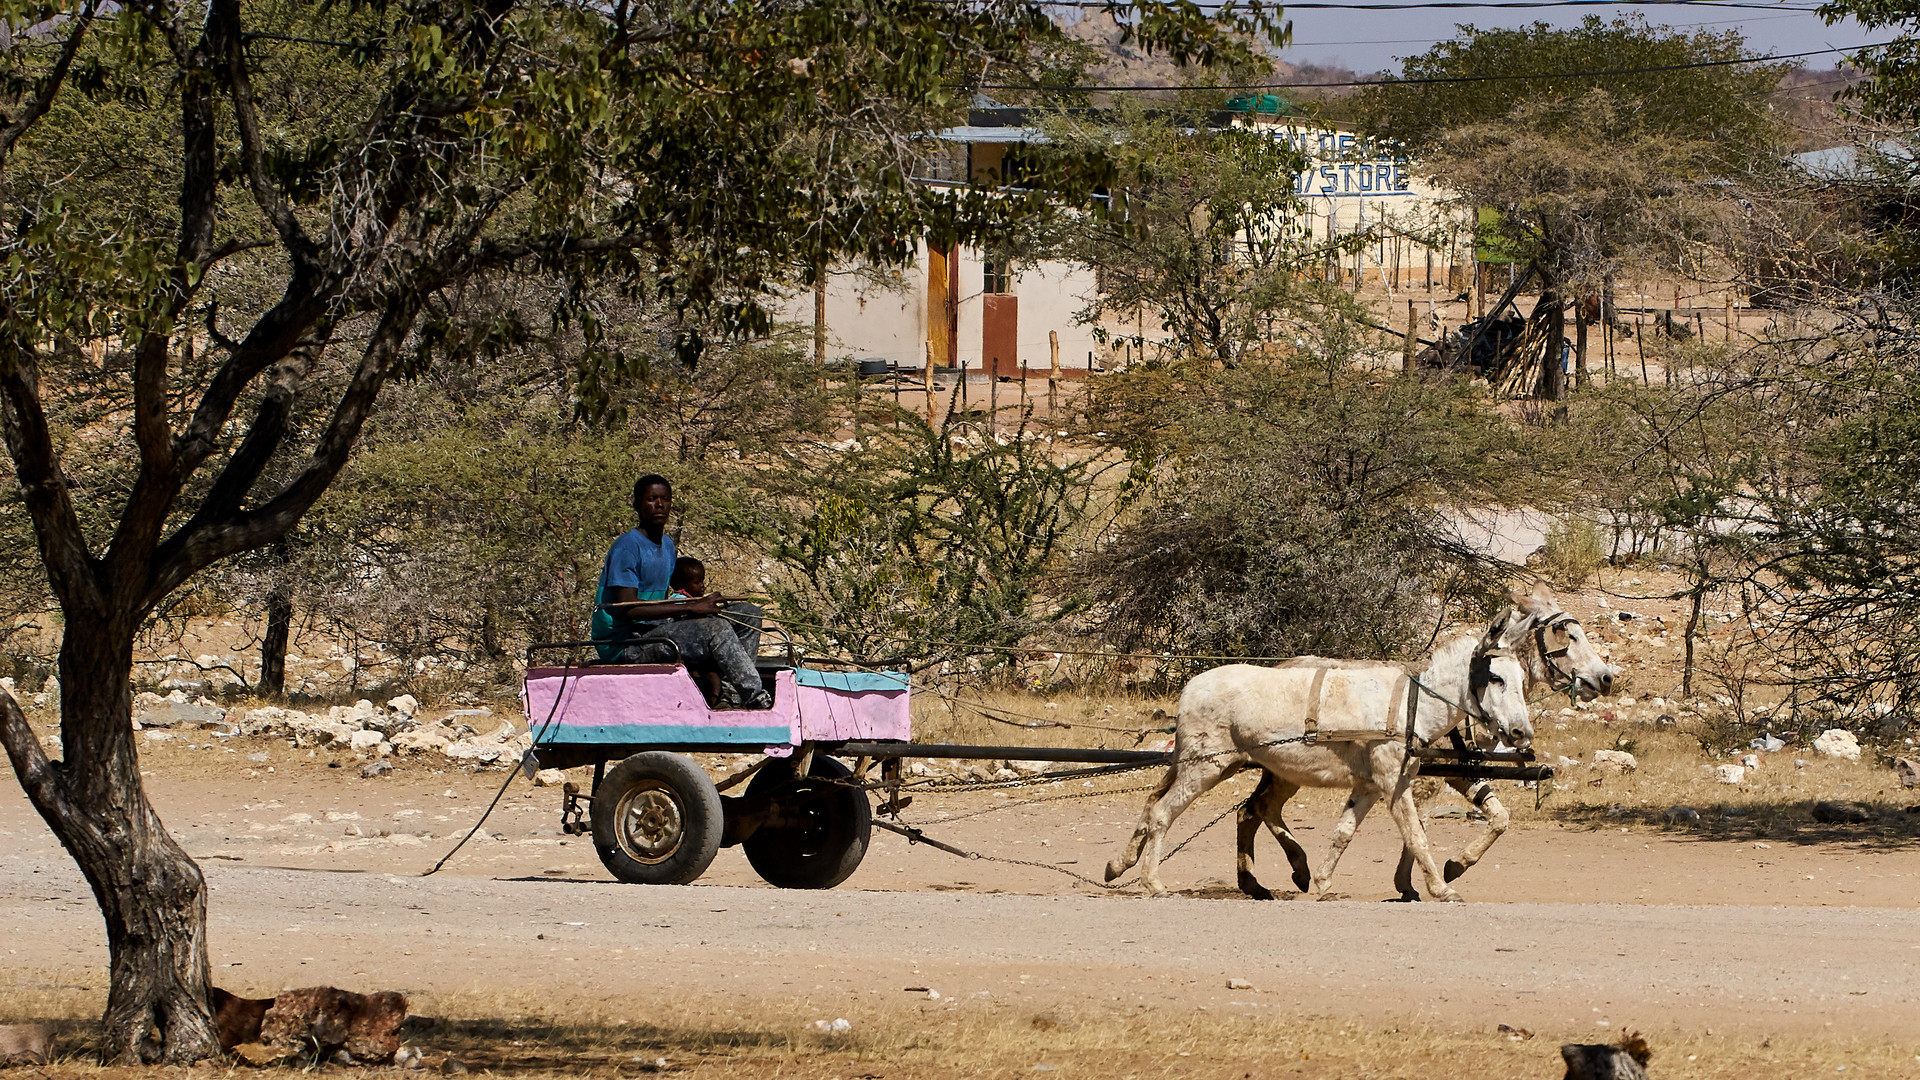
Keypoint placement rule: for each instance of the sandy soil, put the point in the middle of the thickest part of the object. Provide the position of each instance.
(1573, 931)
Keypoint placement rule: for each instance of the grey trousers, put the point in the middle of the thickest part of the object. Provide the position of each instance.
(726, 643)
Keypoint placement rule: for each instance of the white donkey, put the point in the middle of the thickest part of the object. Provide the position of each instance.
(1240, 714)
(1554, 650)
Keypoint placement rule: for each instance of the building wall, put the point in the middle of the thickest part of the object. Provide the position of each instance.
(865, 320)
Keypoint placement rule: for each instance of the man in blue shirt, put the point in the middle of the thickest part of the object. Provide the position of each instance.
(631, 602)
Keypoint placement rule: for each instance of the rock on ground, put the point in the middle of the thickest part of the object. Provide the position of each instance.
(1627, 1061)
(1729, 774)
(1842, 813)
(1907, 771)
(1837, 743)
(366, 1026)
(1614, 761)
(26, 1044)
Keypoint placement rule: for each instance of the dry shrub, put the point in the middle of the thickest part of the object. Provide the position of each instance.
(1574, 552)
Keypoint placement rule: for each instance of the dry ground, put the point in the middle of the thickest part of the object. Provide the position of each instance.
(1755, 942)
(1759, 945)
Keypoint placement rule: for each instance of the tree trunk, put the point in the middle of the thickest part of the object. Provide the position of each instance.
(1580, 375)
(152, 895)
(273, 647)
(1553, 376)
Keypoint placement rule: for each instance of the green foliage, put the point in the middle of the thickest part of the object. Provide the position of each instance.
(1204, 231)
(1298, 506)
(1574, 551)
(1723, 105)
(926, 543)
(1890, 93)
(1579, 189)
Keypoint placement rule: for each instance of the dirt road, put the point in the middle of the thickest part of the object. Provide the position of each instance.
(1572, 932)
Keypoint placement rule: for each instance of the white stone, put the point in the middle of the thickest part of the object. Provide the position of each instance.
(1239, 984)
(549, 778)
(1750, 761)
(1614, 761)
(365, 740)
(420, 741)
(406, 705)
(1837, 743)
(1729, 774)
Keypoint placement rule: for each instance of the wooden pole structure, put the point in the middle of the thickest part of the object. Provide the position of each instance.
(1580, 343)
(1413, 339)
(1640, 344)
(926, 379)
(1053, 375)
(1729, 316)
(993, 396)
(820, 326)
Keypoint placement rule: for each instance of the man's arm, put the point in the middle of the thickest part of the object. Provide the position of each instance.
(626, 600)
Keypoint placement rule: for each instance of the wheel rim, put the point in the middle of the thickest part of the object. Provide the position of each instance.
(650, 823)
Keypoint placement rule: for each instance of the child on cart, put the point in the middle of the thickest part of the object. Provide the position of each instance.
(689, 582)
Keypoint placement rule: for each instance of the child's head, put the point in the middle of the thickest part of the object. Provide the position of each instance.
(689, 576)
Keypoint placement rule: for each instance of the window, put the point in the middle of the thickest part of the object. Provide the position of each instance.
(997, 277)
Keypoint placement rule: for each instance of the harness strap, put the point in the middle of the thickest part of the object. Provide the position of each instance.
(1314, 691)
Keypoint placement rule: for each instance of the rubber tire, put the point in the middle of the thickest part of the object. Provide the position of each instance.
(825, 851)
(691, 794)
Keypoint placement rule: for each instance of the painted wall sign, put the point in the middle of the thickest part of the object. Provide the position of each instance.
(1341, 165)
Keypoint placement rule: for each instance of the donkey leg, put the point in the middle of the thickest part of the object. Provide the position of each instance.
(1267, 804)
(1247, 821)
(1124, 861)
(1425, 791)
(1358, 803)
(1413, 836)
(1277, 825)
(1479, 793)
(1193, 781)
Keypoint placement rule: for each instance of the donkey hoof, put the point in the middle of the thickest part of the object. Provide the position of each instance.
(1302, 881)
(1404, 898)
(1254, 889)
(1448, 896)
(1114, 870)
(1453, 869)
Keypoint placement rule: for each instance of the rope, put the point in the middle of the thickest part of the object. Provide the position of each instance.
(566, 672)
(914, 836)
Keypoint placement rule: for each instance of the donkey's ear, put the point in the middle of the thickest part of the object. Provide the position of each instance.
(1506, 631)
(1540, 601)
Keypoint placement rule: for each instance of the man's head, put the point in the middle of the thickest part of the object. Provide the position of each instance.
(689, 576)
(653, 501)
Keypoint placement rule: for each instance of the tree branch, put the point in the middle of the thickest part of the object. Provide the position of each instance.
(204, 542)
(41, 99)
(49, 500)
(263, 438)
(226, 15)
(38, 776)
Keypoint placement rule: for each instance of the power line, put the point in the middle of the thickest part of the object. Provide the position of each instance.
(1343, 5)
(1442, 79)
(1435, 41)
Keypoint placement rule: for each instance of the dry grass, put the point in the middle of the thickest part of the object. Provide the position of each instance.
(1775, 801)
(535, 1037)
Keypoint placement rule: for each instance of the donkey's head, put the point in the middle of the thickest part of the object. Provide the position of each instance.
(1497, 686)
(1552, 645)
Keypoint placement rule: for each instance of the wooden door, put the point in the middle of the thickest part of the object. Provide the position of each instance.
(1000, 334)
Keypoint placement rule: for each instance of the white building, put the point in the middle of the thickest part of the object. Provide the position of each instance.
(956, 308)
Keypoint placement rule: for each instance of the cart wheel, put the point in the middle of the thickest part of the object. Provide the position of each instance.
(656, 819)
(825, 832)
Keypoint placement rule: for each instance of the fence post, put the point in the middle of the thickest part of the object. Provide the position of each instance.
(1053, 375)
(1413, 339)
